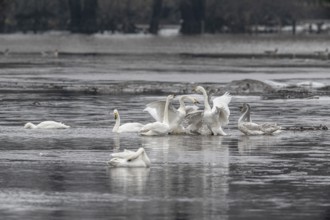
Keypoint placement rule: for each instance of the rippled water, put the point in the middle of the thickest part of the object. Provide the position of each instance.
(62, 174)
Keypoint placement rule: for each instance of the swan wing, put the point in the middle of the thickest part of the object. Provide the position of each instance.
(269, 128)
(220, 107)
(194, 118)
(250, 128)
(51, 124)
(221, 114)
(156, 110)
(225, 98)
(124, 155)
(136, 154)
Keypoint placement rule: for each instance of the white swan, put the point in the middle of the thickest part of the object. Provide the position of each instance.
(175, 116)
(194, 123)
(127, 127)
(129, 158)
(218, 115)
(46, 125)
(246, 126)
(159, 127)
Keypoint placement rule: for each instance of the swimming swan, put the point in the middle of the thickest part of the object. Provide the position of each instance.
(246, 126)
(46, 125)
(175, 116)
(218, 115)
(127, 127)
(129, 158)
(159, 127)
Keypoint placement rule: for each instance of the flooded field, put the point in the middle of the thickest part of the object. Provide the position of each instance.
(62, 174)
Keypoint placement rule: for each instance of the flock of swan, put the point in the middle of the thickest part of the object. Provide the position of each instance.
(183, 120)
(210, 120)
(169, 120)
(186, 119)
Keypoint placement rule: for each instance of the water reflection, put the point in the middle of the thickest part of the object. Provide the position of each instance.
(191, 177)
(187, 174)
(128, 181)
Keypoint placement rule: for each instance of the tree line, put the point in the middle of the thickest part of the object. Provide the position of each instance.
(128, 16)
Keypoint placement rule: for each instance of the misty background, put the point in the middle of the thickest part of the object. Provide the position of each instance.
(148, 16)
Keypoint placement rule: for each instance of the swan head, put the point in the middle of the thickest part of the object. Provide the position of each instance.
(244, 107)
(199, 89)
(115, 114)
(170, 97)
(137, 159)
(195, 101)
(190, 98)
(29, 125)
(118, 162)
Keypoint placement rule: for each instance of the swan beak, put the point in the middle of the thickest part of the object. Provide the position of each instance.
(196, 101)
(116, 116)
(241, 108)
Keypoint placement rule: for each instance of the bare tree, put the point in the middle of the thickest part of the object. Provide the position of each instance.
(155, 17)
(193, 16)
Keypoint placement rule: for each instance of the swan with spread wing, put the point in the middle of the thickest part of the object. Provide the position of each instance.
(175, 116)
(160, 127)
(246, 126)
(217, 116)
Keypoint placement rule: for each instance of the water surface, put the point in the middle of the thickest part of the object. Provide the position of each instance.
(62, 174)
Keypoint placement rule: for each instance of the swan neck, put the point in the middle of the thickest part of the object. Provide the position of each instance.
(245, 116)
(165, 119)
(182, 105)
(145, 157)
(117, 124)
(206, 100)
(30, 125)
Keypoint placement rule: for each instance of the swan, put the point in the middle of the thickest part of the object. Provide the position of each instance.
(129, 158)
(127, 127)
(194, 123)
(218, 115)
(246, 126)
(176, 116)
(159, 127)
(46, 125)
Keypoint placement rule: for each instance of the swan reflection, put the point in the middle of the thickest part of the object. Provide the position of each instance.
(128, 180)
